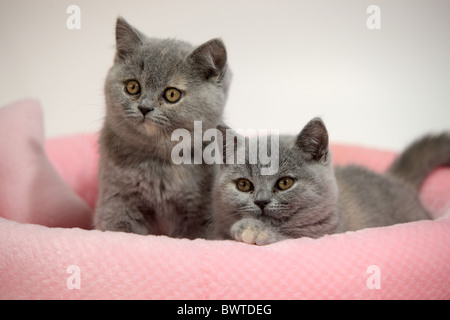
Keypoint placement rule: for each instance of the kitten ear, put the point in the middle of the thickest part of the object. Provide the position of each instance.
(210, 59)
(232, 145)
(313, 140)
(222, 127)
(127, 38)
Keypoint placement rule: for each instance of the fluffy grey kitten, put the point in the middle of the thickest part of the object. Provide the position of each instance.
(154, 87)
(310, 198)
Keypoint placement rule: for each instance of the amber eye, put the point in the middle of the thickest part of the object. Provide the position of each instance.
(172, 95)
(285, 183)
(244, 185)
(133, 87)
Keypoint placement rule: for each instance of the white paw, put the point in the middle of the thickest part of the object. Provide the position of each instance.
(253, 231)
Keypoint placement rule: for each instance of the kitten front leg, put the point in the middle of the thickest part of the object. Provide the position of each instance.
(118, 215)
(253, 231)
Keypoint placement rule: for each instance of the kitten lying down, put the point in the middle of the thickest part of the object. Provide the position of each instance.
(308, 197)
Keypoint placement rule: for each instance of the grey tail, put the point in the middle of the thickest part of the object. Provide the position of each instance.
(421, 158)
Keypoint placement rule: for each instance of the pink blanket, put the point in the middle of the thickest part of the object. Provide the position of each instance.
(47, 250)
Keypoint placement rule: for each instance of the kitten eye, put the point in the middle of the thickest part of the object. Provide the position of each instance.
(133, 87)
(244, 185)
(172, 95)
(284, 183)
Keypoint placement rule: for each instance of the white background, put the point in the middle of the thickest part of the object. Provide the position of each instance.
(291, 60)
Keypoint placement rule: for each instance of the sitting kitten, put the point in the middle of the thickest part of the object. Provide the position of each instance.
(154, 87)
(309, 198)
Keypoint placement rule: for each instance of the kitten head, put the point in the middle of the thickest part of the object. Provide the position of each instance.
(158, 85)
(299, 199)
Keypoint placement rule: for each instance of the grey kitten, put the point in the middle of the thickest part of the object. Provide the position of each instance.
(154, 87)
(310, 198)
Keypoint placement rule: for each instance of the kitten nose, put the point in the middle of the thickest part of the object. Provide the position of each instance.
(144, 110)
(262, 203)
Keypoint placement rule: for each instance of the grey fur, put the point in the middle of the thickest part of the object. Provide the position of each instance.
(421, 157)
(140, 189)
(323, 199)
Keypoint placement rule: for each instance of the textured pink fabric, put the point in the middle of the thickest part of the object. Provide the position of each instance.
(39, 261)
(413, 262)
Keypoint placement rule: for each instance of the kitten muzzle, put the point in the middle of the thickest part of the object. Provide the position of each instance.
(262, 203)
(144, 110)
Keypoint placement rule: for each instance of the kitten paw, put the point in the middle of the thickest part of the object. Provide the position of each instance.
(253, 231)
(129, 227)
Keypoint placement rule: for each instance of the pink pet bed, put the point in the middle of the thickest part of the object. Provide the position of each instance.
(47, 250)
